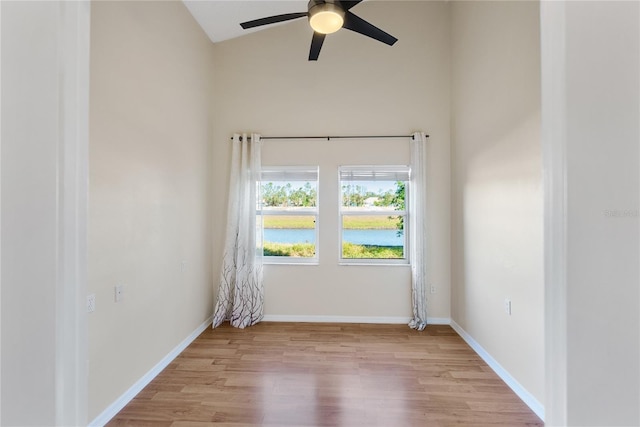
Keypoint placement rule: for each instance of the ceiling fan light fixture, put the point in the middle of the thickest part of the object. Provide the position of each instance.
(326, 18)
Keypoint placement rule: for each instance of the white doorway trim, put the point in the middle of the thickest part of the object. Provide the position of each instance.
(73, 161)
(553, 54)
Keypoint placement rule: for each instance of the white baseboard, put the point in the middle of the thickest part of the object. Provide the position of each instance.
(333, 319)
(349, 319)
(438, 321)
(518, 389)
(137, 387)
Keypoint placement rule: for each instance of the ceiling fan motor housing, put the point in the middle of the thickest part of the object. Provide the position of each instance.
(313, 3)
(325, 16)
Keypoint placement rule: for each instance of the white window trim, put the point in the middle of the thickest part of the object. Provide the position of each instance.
(288, 172)
(405, 261)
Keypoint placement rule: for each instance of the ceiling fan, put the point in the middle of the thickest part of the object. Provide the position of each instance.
(326, 17)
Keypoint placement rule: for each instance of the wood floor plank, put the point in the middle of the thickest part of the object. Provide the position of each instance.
(312, 375)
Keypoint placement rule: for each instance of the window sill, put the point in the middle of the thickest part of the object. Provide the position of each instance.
(375, 264)
(289, 263)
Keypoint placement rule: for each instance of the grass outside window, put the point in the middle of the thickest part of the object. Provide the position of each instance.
(349, 250)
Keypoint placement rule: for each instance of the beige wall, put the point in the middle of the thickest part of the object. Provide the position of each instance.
(264, 83)
(497, 184)
(329, 288)
(150, 191)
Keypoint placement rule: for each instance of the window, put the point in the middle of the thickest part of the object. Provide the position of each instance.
(373, 214)
(288, 214)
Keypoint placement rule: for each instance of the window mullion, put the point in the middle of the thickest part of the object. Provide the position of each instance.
(377, 213)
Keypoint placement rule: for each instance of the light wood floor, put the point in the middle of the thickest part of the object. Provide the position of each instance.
(309, 374)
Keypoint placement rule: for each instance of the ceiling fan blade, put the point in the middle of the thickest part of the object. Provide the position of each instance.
(359, 25)
(272, 20)
(348, 4)
(316, 45)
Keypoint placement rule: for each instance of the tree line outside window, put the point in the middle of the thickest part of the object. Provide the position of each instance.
(289, 202)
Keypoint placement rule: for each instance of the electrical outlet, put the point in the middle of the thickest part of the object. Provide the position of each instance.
(183, 266)
(91, 303)
(433, 289)
(118, 293)
(507, 306)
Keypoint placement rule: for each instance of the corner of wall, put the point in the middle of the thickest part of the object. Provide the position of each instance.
(497, 210)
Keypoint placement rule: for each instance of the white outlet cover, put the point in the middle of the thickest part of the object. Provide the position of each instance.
(507, 306)
(91, 303)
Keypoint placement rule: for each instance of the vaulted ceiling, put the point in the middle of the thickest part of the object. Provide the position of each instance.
(221, 19)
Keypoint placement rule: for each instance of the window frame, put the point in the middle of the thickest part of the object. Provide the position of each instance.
(261, 212)
(403, 169)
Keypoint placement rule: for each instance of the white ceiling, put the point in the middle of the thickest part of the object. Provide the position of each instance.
(221, 19)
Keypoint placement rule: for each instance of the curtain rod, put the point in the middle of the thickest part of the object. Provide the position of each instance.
(329, 138)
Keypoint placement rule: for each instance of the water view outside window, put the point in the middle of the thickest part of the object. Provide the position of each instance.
(373, 212)
(289, 210)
